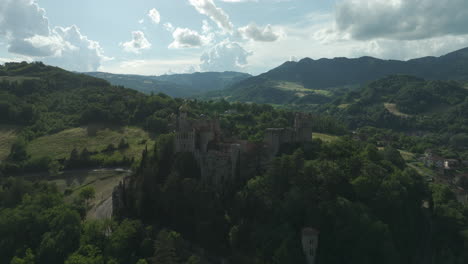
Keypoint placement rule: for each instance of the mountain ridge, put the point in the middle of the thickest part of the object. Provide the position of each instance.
(175, 85)
(328, 74)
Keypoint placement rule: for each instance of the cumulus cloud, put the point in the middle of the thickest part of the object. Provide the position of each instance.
(152, 66)
(238, 1)
(206, 28)
(154, 16)
(402, 19)
(187, 38)
(26, 29)
(384, 48)
(252, 31)
(225, 56)
(80, 54)
(137, 44)
(169, 27)
(208, 8)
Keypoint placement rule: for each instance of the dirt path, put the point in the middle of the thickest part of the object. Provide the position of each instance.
(392, 108)
(102, 211)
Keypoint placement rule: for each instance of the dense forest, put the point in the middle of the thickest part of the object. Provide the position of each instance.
(366, 203)
(409, 112)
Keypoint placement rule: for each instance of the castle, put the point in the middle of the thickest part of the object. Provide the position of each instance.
(222, 161)
(301, 132)
(218, 159)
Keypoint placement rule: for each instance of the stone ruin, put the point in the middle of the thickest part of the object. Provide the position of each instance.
(222, 161)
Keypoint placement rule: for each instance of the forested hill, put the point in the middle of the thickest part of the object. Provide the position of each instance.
(304, 82)
(325, 73)
(176, 85)
(47, 99)
(406, 103)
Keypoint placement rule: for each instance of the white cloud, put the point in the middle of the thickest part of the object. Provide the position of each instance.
(154, 16)
(137, 44)
(253, 32)
(238, 1)
(187, 38)
(169, 27)
(206, 28)
(225, 56)
(208, 8)
(26, 30)
(317, 39)
(152, 66)
(402, 19)
(79, 54)
(384, 48)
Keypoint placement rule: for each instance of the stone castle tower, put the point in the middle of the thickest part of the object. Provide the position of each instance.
(303, 127)
(195, 135)
(301, 132)
(309, 241)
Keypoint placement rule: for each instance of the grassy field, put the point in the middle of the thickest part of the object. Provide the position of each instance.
(407, 156)
(291, 86)
(296, 87)
(392, 108)
(103, 182)
(422, 170)
(324, 137)
(60, 145)
(343, 106)
(7, 137)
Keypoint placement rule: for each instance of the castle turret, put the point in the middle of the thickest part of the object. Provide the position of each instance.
(303, 127)
(309, 240)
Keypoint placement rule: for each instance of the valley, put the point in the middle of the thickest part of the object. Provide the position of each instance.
(272, 156)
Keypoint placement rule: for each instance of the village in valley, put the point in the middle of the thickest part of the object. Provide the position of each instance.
(450, 171)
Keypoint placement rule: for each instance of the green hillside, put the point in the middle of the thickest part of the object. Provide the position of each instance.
(408, 112)
(94, 138)
(261, 90)
(407, 102)
(7, 138)
(44, 113)
(339, 75)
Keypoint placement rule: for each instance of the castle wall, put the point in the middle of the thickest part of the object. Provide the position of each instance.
(221, 163)
(275, 137)
(303, 127)
(185, 142)
(216, 167)
(204, 138)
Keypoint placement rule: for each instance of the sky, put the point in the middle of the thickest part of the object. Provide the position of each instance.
(155, 37)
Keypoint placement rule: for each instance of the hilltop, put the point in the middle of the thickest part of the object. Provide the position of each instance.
(305, 81)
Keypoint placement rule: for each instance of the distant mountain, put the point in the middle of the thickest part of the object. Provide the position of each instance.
(303, 81)
(176, 85)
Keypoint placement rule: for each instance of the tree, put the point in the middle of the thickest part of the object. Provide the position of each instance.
(18, 151)
(124, 242)
(54, 168)
(87, 194)
(28, 258)
(123, 144)
(393, 155)
(86, 255)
